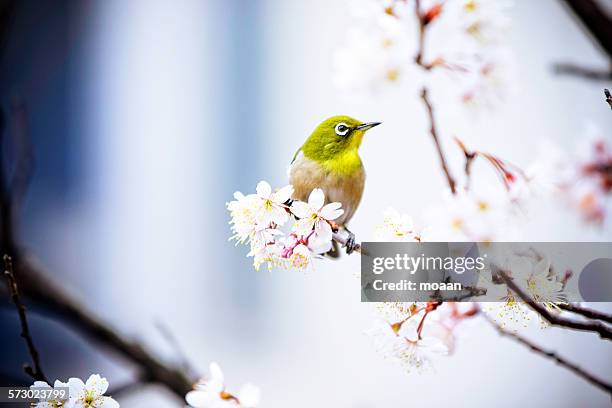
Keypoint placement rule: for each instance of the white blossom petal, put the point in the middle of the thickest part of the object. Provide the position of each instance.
(249, 396)
(199, 399)
(300, 209)
(264, 189)
(106, 402)
(284, 194)
(96, 384)
(76, 386)
(318, 245)
(316, 199)
(331, 211)
(303, 227)
(215, 372)
(278, 215)
(323, 230)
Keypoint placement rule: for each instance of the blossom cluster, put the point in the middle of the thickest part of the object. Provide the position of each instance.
(257, 219)
(210, 392)
(583, 177)
(466, 218)
(534, 274)
(465, 42)
(413, 334)
(87, 394)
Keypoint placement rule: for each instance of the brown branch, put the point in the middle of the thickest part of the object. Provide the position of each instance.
(434, 135)
(595, 20)
(595, 74)
(35, 372)
(167, 334)
(423, 22)
(469, 292)
(553, 356)
(343, 241)
(36, 285)
(469, 160)
(421, 39)
(608, 96)
(589, 313)
(591, 326)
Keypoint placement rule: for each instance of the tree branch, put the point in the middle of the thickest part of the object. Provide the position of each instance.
(36, 285)
(591, 326)
(589, 313)
(469, 160)
(551, 355)
(434, 135)
(469, 292)
(47, 294)
(595, 74)
(343, 241)
(35, 372)
(595, 20)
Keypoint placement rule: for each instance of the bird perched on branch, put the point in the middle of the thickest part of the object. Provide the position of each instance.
(329, 159)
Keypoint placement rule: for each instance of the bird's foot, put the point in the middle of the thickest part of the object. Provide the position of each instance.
(350, 243)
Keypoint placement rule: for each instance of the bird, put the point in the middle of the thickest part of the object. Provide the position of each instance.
(329, 160)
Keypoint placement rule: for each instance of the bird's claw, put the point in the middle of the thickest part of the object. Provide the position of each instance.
(350, 243)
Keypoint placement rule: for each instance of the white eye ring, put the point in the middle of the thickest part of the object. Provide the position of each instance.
(342, 129)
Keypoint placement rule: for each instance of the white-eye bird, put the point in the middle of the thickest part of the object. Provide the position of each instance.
(329, 159)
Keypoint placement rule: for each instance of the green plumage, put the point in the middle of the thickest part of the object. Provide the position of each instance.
(329, 159)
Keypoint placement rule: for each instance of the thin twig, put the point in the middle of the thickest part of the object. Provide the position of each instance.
(419, 58)
(468, 292)
(434, 135)
(551, 355)
(595, 74)
(589, 313)
(419, 61)
(469, 160)
(36, 371)
(421, 47)
(591, 326)
(167, 334)
(53, 298)
(36, 285)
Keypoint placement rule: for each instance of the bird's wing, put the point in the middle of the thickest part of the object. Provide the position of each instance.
(295, 155)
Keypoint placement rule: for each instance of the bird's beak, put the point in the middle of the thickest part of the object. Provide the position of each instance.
(367, 126)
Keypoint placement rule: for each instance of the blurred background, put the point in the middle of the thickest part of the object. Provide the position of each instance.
(145, 117)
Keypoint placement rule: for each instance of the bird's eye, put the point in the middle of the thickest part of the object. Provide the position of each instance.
(342, 129)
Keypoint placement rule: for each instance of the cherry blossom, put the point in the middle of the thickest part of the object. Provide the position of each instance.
(89, 394)
(211, 392)
(44, 403)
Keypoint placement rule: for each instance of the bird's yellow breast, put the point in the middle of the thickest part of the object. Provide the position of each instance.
(342, 182)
